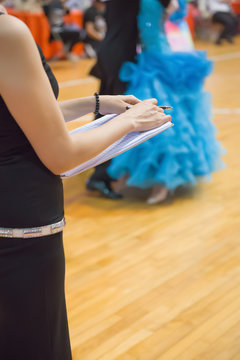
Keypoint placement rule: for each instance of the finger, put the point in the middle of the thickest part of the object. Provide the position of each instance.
(158, 110)
(130, 99)
(165, 119)
(151, 101)
(153, 112)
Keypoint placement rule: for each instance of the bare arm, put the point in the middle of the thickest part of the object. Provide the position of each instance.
(92, 33)
(27, 92)
(75, 108)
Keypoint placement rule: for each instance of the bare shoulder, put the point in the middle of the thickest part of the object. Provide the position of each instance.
(18, 48)
(11, 27)
(13, 34)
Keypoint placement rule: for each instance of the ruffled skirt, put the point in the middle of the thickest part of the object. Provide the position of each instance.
(186, 152)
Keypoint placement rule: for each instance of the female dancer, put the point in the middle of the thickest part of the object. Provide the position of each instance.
(189, 150)
(35, 147)
(121, 39)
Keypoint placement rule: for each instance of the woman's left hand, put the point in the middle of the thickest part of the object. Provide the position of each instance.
(116, 104)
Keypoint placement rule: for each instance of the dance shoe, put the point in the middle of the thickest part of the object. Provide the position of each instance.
(103, 188)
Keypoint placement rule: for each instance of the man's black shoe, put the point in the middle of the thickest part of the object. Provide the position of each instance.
(104, 188)
(218, 41)
(229, 40)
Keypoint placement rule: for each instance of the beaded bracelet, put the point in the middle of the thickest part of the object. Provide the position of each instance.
(96, 112)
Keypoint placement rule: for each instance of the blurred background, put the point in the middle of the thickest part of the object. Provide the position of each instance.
(145, 281)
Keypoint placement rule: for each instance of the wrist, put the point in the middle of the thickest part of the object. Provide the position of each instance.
(104, 104)
(91, 103)
(126, 122)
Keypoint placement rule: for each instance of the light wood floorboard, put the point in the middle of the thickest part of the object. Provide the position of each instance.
(158, 282)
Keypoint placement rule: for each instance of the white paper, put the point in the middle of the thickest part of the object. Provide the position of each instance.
(125, 143)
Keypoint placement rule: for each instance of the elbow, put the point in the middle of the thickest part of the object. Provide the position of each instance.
(56, 171)
(58, 159)
(58, 166)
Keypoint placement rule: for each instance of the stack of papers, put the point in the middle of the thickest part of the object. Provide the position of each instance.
(125, 143)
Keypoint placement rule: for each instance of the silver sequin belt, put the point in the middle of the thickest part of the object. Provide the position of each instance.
(34, 231)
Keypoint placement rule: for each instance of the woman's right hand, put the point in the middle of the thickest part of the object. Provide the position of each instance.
(145, 115)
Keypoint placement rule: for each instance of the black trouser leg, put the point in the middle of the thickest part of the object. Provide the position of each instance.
(235, 24)
(70, 37)
(100, 173)
(229, 23)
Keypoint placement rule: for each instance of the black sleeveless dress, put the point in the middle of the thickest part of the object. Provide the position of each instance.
(33, 320)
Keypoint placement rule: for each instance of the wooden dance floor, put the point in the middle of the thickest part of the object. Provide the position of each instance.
(158, 282)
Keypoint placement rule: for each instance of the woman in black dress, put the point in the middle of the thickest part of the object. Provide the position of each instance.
(35, 147)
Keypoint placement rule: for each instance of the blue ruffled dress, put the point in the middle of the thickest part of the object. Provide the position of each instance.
(189, 150)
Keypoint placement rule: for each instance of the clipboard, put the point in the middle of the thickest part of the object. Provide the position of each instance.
(123, 144)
